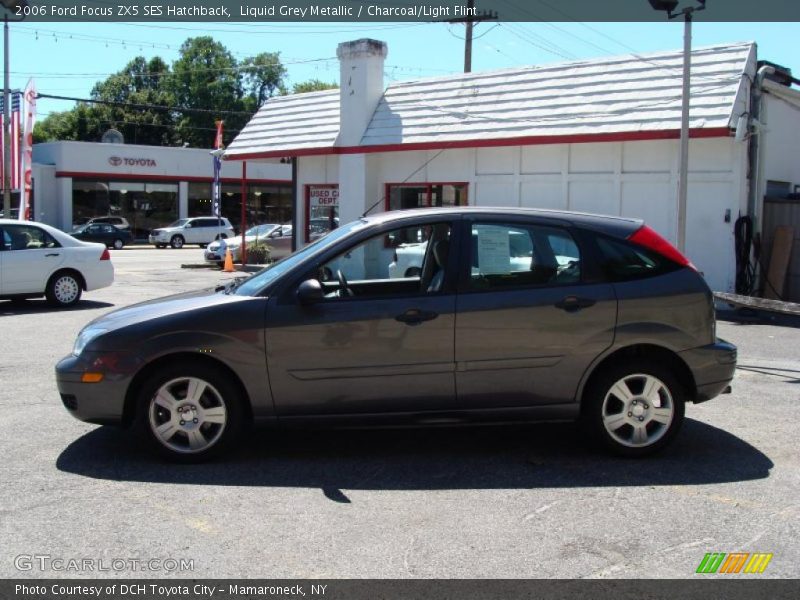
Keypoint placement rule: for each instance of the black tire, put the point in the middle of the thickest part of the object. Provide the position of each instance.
(177, 241)
(413, 272)
(640, 429)
(220, 391)
(202, 245)
(64, 289)
(118, 244)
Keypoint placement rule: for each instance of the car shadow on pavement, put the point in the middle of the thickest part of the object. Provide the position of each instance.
(509, 457)
(9, 308)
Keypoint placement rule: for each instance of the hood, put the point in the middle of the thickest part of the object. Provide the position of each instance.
(162, 307)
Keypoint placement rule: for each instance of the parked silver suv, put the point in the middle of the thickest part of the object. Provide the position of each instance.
(604, 323)
(198, 230)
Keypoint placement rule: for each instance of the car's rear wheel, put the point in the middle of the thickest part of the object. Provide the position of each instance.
(177, 241)
(189, 413)
(202, 245)
(118, 244)
(64, 289)
(634, 409)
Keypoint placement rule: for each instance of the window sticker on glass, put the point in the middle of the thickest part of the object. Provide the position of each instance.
(493, 250)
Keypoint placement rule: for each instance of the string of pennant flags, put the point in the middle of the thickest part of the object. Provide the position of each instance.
(19, 130)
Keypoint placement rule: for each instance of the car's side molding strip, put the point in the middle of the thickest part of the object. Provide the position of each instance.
(373, 371)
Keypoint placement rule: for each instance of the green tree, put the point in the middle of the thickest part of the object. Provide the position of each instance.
(313, 85)
(140, 83)
(262, 76)
(203, 84)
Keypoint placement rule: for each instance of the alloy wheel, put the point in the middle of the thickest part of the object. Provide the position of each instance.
(638, 410)
(187, 415)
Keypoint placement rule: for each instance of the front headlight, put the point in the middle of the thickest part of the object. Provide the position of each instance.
(84, 337)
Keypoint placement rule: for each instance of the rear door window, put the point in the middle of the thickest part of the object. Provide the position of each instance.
(514, 255)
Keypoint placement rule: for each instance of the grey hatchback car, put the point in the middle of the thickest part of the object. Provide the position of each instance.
(514, 315)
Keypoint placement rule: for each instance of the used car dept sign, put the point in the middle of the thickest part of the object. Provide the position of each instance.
(117, 161)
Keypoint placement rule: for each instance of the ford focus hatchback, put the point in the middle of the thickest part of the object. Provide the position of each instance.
(508, 315)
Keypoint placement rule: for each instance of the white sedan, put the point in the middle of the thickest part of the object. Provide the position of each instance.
(39, 260)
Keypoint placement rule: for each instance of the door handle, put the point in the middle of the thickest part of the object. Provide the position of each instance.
(415, 316)
(574, 303)
(53, 254)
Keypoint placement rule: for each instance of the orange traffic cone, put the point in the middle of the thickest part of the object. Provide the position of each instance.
(228, 268)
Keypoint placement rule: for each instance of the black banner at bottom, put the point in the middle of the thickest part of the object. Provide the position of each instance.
(711, 588)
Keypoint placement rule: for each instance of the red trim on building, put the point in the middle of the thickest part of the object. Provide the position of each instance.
(171, 178)
(535, 140)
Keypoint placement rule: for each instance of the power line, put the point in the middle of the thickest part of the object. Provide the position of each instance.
(527, 37)
(140, 106)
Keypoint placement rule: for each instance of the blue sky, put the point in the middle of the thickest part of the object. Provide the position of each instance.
(68, 58)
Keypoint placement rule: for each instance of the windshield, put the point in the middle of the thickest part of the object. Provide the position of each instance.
(178, 223)
(256, 283)
(259, 230)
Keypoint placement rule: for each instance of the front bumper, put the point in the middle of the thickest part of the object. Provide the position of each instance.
(713, 367)
(217, 256)
(102, 403)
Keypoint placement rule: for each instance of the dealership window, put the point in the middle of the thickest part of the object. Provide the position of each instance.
(199, 199)
(266, 203)
(322, 210)
(401, 196)
(145, 205)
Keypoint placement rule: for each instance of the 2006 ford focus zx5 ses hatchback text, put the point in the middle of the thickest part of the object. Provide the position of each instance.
(604, 322)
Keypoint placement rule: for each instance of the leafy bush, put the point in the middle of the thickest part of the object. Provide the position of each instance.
(258, 253)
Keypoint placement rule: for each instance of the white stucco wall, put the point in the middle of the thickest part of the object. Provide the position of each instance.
(632, 179)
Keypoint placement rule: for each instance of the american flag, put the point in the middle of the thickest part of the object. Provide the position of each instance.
(16, 101)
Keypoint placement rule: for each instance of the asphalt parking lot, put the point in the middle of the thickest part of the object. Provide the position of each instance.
(495, 502)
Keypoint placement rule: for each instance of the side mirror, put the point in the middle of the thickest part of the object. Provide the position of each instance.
(310, 292)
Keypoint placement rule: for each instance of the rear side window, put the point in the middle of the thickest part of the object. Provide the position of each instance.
(516, 255)
(624, 261)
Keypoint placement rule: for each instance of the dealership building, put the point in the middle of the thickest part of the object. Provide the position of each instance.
(151, 186)
(597, 136)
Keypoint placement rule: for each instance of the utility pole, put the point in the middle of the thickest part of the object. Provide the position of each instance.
(9, 6)
(471, 17)
(669, 6)
(6, 123)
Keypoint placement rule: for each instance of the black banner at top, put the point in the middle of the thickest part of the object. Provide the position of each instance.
(322, 11)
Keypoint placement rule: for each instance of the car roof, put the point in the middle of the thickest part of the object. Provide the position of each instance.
(616, 226)
(63, 238)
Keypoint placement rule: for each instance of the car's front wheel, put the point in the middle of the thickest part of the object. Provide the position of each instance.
(64, 289)
(118, 244)
(177, 241)
(189, 413)
(635, 408)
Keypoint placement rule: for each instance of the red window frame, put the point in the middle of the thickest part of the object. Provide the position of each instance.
(428, 185)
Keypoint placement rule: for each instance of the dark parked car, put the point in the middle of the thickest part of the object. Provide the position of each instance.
(111, 236)
(607, 324)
